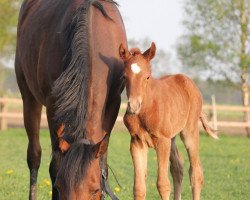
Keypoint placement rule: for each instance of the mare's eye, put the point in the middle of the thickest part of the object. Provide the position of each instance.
(95, 192)
(58, 185)
(124, 77)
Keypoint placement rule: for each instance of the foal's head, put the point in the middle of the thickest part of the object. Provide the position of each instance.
(137, 73)
(80, 176)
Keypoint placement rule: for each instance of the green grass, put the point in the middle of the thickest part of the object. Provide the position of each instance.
(226, 166)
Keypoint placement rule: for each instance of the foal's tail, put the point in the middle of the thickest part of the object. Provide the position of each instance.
(210, 131)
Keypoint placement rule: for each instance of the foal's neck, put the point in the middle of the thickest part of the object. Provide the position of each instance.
(150, 94)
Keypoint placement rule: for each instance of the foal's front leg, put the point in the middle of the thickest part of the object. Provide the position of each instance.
(139, 150)
(163, 147)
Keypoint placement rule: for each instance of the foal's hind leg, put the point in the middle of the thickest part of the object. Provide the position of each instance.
(176, 169)
(32, 117)
(190, 137)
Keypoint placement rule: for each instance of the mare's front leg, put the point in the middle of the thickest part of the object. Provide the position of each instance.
(162, 147)
(111, 113)
(32, 117)
(139, 150)
(56, 153)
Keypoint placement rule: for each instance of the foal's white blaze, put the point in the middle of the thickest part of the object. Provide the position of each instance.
(135, 68)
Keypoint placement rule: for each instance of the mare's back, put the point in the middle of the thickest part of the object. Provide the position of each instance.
(41, 43)
(42, 24)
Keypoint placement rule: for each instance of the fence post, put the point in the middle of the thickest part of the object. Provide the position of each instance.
(214, 111)
(3, 121)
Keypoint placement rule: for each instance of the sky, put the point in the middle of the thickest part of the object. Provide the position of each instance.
(159, 20)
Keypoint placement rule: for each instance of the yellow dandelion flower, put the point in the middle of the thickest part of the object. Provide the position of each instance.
(9, 171)
(117, 189)
(47, 182)
(40, 186)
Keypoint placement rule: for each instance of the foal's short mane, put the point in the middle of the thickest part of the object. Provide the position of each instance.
(135, 51)
(70, 92)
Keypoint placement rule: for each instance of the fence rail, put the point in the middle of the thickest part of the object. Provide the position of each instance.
(15, 116)
(227, 108)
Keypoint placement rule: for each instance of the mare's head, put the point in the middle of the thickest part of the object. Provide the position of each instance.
(79, 176)
(137, 73)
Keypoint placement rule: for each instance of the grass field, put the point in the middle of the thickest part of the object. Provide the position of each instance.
(226, 166)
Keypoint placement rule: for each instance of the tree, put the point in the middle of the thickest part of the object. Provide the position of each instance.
(8, 22)
(217, 41)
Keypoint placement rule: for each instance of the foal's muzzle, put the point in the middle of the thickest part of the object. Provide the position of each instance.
(134, 106)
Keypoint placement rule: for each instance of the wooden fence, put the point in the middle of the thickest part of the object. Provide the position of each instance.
(14, 116)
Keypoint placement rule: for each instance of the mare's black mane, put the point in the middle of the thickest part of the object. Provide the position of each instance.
(71, 93)
(71, 89)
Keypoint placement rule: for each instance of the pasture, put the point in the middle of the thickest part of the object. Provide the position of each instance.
(226, 164)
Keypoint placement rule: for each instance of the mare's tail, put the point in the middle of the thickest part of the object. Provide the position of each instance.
(210, 131)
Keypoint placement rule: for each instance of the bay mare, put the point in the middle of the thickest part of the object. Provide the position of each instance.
(158, 110)
(67, 61)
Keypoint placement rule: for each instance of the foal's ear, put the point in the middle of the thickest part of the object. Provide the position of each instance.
(102, 146)
(150, 53)
(124, 53)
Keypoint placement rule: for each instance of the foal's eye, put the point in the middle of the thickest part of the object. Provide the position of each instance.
(148, 77)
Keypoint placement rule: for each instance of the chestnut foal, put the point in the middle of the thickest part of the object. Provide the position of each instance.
(159, 109)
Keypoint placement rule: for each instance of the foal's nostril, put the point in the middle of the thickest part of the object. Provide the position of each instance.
(134, 106)
(129, 104)
(129, 107)
(139, 105)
